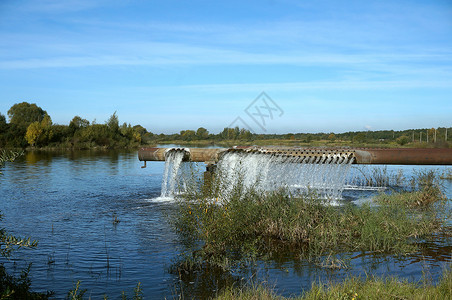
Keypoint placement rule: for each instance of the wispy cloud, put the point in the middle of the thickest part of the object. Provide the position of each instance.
(297, 87)
(152, 53)
(327, 50)
(52, 6)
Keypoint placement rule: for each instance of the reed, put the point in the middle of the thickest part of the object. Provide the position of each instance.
(425, 190)
(247, 223)
(354, 288)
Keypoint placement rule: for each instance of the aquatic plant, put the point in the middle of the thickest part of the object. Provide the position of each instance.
(78, 294)
(7, 155)
(251, 223)
(353, 288)
(12, 287)
(426, 189)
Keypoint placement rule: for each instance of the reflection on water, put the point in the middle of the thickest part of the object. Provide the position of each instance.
(68, 202)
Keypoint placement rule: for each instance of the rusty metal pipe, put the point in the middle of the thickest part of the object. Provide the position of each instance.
(404, 156)
(193, 154)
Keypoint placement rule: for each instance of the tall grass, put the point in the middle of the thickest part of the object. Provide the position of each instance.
(354, 288)
(248, 223)
(425, 190)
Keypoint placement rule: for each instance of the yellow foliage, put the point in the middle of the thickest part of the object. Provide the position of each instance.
(38, 131)
(137, 137)
(34, 130)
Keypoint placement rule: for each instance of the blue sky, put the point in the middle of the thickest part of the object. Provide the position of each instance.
(174, 65)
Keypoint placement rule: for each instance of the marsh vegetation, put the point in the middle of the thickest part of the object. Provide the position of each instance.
(228, 231)
(354, 288)
(249, 223)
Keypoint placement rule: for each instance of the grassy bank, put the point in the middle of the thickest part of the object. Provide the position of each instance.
(201, 143)
(355, 288)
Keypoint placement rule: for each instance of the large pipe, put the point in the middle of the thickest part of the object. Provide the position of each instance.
(402, 156)
(192, 154)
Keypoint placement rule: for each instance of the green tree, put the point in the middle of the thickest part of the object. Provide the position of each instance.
(3, 124)
(3, 130)
(60, 133)
(188, 135)
(145, 136)
(140, 129)
(77, 123)
(245, 134)
(99, 134)
(360, 137)
(202, 133)
(113, 124)
(230, 133)
(23, 114)
(402, 140)
(130, 134)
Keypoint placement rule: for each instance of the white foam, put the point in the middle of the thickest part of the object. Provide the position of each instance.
(160, 200)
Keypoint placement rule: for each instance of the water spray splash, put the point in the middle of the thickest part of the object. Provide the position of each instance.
(324, 174)
(173, 160)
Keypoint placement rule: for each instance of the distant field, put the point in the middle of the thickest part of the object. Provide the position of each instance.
(298, 143)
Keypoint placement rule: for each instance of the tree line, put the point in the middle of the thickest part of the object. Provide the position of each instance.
(30, 125)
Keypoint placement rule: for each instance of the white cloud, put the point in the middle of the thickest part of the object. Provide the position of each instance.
(54, 7)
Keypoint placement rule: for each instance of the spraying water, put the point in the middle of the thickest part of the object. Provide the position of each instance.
(173, 160)
(325, 174)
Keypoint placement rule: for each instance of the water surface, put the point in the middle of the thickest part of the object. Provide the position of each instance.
(69, 201)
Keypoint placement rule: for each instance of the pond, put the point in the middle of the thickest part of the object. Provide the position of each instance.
(69, 203)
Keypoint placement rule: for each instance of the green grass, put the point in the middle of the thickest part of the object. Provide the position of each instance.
(246, 223)
(426, 190)
(354, 288)
(298, 143)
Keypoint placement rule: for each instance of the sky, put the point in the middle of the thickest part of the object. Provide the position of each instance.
(268, 66)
